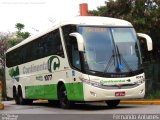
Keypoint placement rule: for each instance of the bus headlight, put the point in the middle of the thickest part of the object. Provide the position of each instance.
(139, 82)
(90, 82)
(95, 84)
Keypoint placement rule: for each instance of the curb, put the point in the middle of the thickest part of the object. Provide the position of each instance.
(142, 102)
(1, 106)
(41, 101)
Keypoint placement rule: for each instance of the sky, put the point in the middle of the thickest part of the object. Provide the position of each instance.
(38, 15)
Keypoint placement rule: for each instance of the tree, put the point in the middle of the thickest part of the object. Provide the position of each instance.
(19, 26)
(3, 47)
(21, 35)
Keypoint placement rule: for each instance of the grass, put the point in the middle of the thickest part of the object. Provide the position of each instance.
(154, 95)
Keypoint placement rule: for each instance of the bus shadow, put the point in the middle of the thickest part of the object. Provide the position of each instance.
(86, 106)
(95, 107)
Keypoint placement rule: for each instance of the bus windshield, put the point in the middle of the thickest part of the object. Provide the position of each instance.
(111, 50)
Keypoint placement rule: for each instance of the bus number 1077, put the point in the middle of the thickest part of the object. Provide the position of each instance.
(48, 77)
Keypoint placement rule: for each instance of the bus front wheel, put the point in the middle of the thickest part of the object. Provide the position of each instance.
(63, 100)
(112, 103)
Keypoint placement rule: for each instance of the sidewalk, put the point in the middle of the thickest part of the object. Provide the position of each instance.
(142, 101)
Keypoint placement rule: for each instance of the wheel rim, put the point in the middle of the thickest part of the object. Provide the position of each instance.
(63, 97)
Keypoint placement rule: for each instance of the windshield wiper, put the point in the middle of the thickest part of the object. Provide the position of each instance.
(115, 58)
(118, 62)
(121, 59)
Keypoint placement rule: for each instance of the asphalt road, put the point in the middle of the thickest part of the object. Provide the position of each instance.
(89, 111)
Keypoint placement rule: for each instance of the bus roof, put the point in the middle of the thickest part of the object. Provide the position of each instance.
(78, 20)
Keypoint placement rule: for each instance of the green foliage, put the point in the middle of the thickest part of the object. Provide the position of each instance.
(13, 42)
(154, 95)
(19, 26)
(23, 35)
(19, 33)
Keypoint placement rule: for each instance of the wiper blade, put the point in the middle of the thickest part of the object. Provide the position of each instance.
(121, 59)
(113, 57)
(119, 62)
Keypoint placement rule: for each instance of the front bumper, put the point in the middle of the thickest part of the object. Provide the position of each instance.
(92, 93)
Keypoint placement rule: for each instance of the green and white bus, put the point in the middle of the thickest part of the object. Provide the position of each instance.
(81, 59)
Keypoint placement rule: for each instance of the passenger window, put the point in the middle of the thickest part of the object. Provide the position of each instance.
(71, 46)
(75, 57)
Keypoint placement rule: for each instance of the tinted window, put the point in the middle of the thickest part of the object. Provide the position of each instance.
(71, 46)
(49, 44)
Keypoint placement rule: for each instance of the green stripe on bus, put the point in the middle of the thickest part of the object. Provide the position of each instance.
(49, 92)
(75, 91)
(42, 92)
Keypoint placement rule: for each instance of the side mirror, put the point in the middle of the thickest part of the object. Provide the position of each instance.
(79, 39)
(148, 40)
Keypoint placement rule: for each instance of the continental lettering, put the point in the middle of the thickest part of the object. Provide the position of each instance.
(111, 81)
(35, 68)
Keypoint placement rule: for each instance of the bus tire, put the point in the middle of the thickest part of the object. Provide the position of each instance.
(23, 101)
(112, 103)
(62, 95)
(15, 95)
(54, 102)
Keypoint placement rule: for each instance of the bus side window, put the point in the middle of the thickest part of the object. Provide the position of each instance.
(54, 44)
(75, 53)
(71, 46)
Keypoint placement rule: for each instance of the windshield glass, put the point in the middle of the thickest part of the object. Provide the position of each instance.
(110, 50)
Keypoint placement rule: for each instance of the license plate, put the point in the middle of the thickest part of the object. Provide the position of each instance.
(119, 93)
